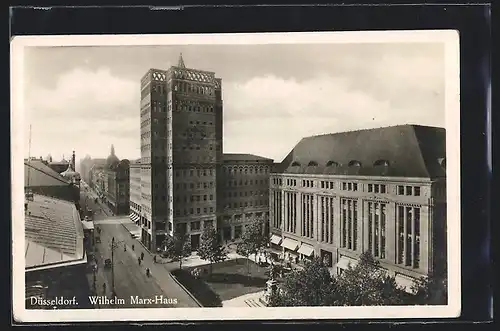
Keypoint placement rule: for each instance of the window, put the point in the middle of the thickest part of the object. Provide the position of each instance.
(370, 187)
(349, 224)
(416, 191)
(401, 190)
(195, 226)
(376, 228)
(408, 227)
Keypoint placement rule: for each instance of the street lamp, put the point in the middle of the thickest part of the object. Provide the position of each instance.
(114, 245)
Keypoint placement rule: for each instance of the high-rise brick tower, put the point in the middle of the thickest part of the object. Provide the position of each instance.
(181, 152)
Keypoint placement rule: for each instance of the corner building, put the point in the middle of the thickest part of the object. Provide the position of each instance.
(379, 190)
(181, 149)
(244, 194)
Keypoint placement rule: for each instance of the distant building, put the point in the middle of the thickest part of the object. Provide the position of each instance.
(244, 193)
(379, 190)
(86, 165)
(42, 179)
(55, 258)
(61, 166)
(111, 181)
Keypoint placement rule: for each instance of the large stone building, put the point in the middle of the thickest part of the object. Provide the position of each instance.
(379, 190)
(181, 150)
(111, 182)
(243, 193)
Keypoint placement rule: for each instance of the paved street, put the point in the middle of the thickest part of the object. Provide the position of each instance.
(130, 277)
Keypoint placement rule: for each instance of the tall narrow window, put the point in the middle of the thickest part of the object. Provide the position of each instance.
(382, 231)
(400, 233)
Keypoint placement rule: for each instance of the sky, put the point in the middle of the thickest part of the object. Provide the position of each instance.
(87, 98)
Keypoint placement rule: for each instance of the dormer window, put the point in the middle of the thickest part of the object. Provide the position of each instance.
(354, 163)
(332, 164)
(313, 164)
(295, 164)
(442, 162)
(379, 163)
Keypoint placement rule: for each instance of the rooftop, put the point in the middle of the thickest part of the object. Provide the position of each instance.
(243, 157)
(53, 234)
(411, 151)
(37, 173)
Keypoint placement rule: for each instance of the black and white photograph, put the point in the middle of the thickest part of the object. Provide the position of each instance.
(312, 175)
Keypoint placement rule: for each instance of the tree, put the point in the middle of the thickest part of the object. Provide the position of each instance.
(431, 291)
(312, 286)
(253, 240)
(177, 247)
(366, 284)
(210, 248)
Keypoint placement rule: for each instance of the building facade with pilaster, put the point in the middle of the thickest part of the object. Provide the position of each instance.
(380, 190)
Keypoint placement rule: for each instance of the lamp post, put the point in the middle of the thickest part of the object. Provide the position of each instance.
(114, 245)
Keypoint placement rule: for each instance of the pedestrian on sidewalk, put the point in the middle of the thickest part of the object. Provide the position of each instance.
(132, 246)
(154, 259)
(142, 255)
(139, 260)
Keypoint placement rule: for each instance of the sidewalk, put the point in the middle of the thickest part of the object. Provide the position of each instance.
(248, 300)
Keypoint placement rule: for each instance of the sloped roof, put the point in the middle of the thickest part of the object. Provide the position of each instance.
(243, 157)
(53, 233)
(396, 151)
(40, 174)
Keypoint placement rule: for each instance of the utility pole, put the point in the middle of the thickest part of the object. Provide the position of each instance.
(114, 245)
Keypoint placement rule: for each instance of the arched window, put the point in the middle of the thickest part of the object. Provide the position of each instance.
(313, 164)
(378, 163)
(295, 164)
(354, 163)
(332, 164)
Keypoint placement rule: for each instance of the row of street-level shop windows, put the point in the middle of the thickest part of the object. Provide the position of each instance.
(407, 224)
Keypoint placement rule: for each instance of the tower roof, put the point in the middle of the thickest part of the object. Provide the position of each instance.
(181, 62)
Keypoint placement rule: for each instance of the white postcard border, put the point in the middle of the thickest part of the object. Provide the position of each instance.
(449, 38)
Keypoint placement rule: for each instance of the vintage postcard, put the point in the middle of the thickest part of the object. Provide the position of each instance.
(236, 176)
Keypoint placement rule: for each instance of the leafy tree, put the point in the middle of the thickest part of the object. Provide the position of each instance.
(366, 284)
(253, 241)
(177, 247)
(312, 286)
(431, 291)
(210, 248)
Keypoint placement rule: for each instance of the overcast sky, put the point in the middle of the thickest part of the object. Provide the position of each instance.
(87, 98)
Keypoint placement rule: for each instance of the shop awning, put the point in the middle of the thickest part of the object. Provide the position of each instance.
(306, 250)
(134, 217)
(405, 282)
(275, 239)
(345, 261)
(290, 244)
